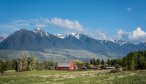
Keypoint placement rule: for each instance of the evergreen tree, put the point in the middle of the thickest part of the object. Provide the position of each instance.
(94, 62)
(102, 62)
(91, 61)
(108, 62)
(97, 61)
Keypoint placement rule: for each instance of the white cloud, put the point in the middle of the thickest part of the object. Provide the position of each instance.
(66, 23)
(7, 28)
(10, 27)
(39, 22)
(135, 36)
(129, 9)
(98, 35)
(122, 35)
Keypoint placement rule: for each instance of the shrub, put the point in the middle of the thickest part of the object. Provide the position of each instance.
(114, 71)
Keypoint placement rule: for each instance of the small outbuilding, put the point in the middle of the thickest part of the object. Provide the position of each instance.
(65, 66)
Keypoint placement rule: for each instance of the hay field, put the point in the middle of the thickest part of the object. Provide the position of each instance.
(73, 77)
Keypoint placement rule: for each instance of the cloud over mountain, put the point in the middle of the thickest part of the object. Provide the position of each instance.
(136, 36)
(98, 35)
(122, 35)
(66, 23)
(50, 45)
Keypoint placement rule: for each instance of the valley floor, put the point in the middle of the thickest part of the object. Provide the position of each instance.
(73, 77)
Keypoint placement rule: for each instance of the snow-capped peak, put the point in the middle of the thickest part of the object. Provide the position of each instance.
(60, 36)
(41, 32)
(66, 35)
(38, 28)
(76, 35)
(73, 34)
(120, 42)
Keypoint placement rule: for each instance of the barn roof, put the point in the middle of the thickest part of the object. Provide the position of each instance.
(63, 64)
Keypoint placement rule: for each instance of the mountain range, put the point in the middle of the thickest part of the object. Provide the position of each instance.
(69, 46)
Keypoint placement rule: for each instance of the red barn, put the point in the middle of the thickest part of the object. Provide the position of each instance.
(65, 66)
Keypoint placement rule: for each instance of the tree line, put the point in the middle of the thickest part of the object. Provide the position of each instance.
(133, 61)
(25, 64)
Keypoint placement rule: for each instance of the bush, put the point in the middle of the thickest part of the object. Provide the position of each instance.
(114, 71)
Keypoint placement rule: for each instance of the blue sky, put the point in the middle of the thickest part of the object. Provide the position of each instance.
(107, 16)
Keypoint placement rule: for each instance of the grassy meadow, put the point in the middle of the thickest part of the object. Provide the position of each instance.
(73, 77)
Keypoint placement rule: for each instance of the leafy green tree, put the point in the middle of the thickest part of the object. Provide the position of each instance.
(135, 61)
(80, 64)
(144, 53)
(141, 64)
(29, 68)
(87, 65)
(132, 65)
(20, 66)
(31, 63)
(3, 66)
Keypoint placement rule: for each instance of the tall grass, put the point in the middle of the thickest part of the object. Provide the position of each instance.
(73, 77)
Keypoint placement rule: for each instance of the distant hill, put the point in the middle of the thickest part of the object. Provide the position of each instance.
(66, 46)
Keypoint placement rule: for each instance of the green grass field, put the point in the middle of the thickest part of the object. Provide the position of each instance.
(73, 77)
